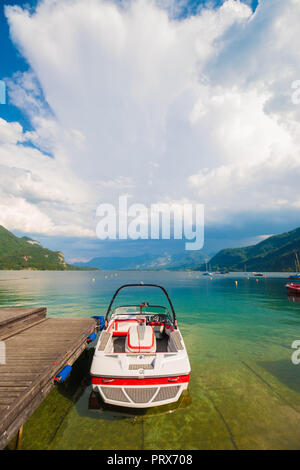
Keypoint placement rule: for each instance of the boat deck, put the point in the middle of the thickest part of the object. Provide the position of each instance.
(119, 344)
(36, 349)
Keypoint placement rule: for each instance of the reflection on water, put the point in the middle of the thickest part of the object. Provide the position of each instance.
(244, 391)
(294, 298)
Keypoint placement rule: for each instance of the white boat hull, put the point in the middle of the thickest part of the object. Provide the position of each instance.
(140, 359)
(140, 380)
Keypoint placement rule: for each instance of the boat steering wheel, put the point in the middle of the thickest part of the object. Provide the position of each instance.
(156, 318)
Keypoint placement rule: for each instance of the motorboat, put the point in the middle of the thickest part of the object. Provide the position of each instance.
(293, 288)
(140, 359)
(258, 274)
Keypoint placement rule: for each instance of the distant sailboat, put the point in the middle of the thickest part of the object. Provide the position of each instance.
(296, 276)
(207, 273)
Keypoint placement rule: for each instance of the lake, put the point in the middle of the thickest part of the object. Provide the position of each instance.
(244, 391)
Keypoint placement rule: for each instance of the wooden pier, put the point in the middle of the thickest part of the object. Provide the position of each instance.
(36, 349)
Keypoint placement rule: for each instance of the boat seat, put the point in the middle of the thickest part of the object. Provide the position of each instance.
(159, 331)
(158, 328)
(140, 339)
(121, 327)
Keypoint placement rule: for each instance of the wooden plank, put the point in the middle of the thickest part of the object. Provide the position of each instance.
(34, 357)
(12, 388)
(8, 315)
(14, 320)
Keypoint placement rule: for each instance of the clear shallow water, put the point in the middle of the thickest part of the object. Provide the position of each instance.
(244, 390)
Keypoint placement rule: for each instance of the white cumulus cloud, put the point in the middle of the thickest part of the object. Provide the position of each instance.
(125, 95)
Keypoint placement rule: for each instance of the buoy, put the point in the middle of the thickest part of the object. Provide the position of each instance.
(210, 278)
(256, 280)
(63, 374)
(236, 283)
(91, 338)
(100, 320)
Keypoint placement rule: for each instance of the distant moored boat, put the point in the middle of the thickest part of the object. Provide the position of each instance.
(293, 288)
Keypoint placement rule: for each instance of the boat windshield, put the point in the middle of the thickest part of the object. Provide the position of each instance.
(143, 308)
(136, 310)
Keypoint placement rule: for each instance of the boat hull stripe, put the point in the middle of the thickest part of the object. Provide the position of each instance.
(145, 381)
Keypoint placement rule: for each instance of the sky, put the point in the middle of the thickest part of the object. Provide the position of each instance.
(163, 101)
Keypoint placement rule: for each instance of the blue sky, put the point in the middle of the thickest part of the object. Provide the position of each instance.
(194, 106)
(11, 62)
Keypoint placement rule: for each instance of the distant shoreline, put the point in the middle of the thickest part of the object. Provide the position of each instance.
(189, 270)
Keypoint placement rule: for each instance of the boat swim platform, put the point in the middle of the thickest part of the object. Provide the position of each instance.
(36, 350)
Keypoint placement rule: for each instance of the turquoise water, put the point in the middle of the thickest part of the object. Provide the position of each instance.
(244, 391)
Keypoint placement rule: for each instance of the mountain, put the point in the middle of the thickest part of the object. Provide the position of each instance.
(26, 253)
(276, 253)
(31, 241)
(177, 261)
